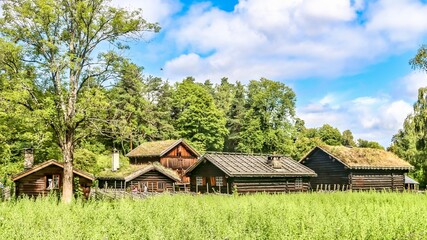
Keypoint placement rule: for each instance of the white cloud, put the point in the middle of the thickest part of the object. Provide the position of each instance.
(294, 39)
(370, 118)
(412, 82)
(153, 10)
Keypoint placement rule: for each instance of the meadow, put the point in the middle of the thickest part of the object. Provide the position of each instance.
(340, 215)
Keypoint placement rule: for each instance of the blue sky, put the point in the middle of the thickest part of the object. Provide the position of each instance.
(347, 60)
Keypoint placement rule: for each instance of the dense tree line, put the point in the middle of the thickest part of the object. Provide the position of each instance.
(62, 95)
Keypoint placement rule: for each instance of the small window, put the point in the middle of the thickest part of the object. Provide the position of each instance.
(52, 182)
(219, 181)
(160, 185)
(298, 183)
(199, 181)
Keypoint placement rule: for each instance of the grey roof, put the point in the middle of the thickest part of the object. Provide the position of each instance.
(251, 165)
(409, 180)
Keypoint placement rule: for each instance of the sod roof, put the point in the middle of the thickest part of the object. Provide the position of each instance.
(158, 148)
(130, 172)
(360, 158)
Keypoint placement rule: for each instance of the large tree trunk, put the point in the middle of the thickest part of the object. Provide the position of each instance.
(67, 182)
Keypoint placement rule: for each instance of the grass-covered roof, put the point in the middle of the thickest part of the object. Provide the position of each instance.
(158, 148)
(366, 157)
(129, 172)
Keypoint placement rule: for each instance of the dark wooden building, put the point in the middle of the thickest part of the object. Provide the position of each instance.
(342, 168)
(248, 173)
(173, 154)
(151, 177)
(45, 178)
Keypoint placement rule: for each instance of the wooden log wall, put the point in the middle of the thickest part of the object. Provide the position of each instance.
(329, 171)
(272, 185)
(151, 179)
(178, 162)
(379, 181)
(35, 183)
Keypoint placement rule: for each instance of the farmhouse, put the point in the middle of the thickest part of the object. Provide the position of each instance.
(150, 177)
(247, 173)
(340, 168)
(46, 177)
(173, 154)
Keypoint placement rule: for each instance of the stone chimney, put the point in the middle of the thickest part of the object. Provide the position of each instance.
(274, 161)
(116, 160)
(28, 158)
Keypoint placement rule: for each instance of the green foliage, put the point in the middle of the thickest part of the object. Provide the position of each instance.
(410, 143)
(78, 192)
(348, 139)
(330, 135)
(341, 215)
(368, 144)
(196, 117)
(85, 160)
(59, 40)
(268, 120)
(420, 59)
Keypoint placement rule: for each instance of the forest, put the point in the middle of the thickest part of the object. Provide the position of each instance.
(69, 102)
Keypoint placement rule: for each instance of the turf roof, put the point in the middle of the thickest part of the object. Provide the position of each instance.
(157, 148)
(366, 157)
(129, 171)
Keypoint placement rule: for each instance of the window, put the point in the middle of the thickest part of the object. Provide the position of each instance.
(160, 185)
(199, 181)
(298, 183)
(219, 181)
(52, 181)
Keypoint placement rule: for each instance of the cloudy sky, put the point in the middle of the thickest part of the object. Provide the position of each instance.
(347, 60)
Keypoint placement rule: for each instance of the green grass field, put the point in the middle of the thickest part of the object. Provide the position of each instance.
(342, 215)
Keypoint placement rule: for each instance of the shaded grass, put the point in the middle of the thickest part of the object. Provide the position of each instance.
(366, 215)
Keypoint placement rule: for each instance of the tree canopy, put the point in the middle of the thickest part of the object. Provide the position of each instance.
(56, 42)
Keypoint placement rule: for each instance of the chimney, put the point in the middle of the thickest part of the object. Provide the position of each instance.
(116, 163)
(274, 161)
(28, 158)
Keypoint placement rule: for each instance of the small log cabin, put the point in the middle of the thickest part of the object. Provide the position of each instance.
(342, 168)
(174, 154)
(46, 177)
(151, 177)
(248, 173)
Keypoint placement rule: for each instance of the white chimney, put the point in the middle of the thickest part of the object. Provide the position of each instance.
(28, 158)
(116, 163)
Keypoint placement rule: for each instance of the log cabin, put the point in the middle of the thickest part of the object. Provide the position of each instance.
(45, 178)
(174, 154)
(151, 177)
(342, 168)
(248, 173)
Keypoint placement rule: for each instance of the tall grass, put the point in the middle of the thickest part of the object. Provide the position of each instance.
(366, 215)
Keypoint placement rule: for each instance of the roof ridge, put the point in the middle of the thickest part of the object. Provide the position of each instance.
(246, 154)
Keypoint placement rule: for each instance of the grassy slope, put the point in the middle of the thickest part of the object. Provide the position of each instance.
(290, 216)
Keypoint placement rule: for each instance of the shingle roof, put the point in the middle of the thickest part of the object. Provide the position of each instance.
(250, 165)
(158, 148)
(48, 163)
(364, 158)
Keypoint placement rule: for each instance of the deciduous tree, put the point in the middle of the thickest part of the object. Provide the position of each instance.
(59, 39)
